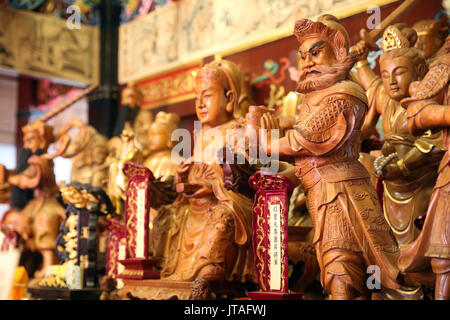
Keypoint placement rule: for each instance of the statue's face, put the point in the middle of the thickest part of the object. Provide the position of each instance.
(143, 121)
(142, 124)
(429, 44)
(397, 74)
(314, 52)
(211, 103)
(159, 139)
(32, 141)
(130, 97)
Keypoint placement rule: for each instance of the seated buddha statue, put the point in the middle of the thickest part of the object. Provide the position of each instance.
(206, 232)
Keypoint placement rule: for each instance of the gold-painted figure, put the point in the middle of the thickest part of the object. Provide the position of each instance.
(160, 145)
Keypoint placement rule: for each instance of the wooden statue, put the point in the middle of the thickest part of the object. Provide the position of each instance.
(136, 262)
(408, 165)
(428, 108)
(121, 152)
(141, 127)
(131, 101)
(160, 145)
(205, 235)
(89, 166)
(350, 230)
(43, 212)
(77, 242)
(38, 222)
(431, 36)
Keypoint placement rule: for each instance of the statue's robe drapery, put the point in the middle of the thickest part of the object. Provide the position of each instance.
(212, 232)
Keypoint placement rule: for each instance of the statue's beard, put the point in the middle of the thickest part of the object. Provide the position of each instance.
(326, 76)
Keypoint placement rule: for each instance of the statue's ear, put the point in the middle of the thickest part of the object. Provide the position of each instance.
(231, 98)
(421, 70)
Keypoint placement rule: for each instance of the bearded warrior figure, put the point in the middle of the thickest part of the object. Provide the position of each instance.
(350, 230)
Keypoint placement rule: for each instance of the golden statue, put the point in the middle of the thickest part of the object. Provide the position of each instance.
(429, 108)
(122, 151)
(408, 164)
(160, 145)
(141, 127)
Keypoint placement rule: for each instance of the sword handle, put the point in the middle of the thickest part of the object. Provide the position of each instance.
(368, 39)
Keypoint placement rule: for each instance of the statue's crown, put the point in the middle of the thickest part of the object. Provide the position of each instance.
(393, 39)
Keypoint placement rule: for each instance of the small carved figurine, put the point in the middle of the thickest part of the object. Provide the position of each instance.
(43, 211)
(350, 230)
(42, 214)
(408, 165)
(206, 232)
(431, 36)
(160, 145)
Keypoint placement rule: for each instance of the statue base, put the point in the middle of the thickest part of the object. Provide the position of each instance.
(261, 295)
(199, 289)
(139, 269)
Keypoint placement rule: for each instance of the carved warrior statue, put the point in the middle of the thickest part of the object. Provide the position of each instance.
(428, 108)
(141, 127)
(205, 234)
(350, 230)
(43, 214)
(408, 165)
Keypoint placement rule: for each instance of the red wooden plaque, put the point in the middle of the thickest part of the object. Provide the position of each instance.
(137, 215)
(270, 243)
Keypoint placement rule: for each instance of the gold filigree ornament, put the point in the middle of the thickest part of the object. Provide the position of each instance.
(393, 39)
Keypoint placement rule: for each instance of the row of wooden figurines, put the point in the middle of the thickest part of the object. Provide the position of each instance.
(366, 209)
